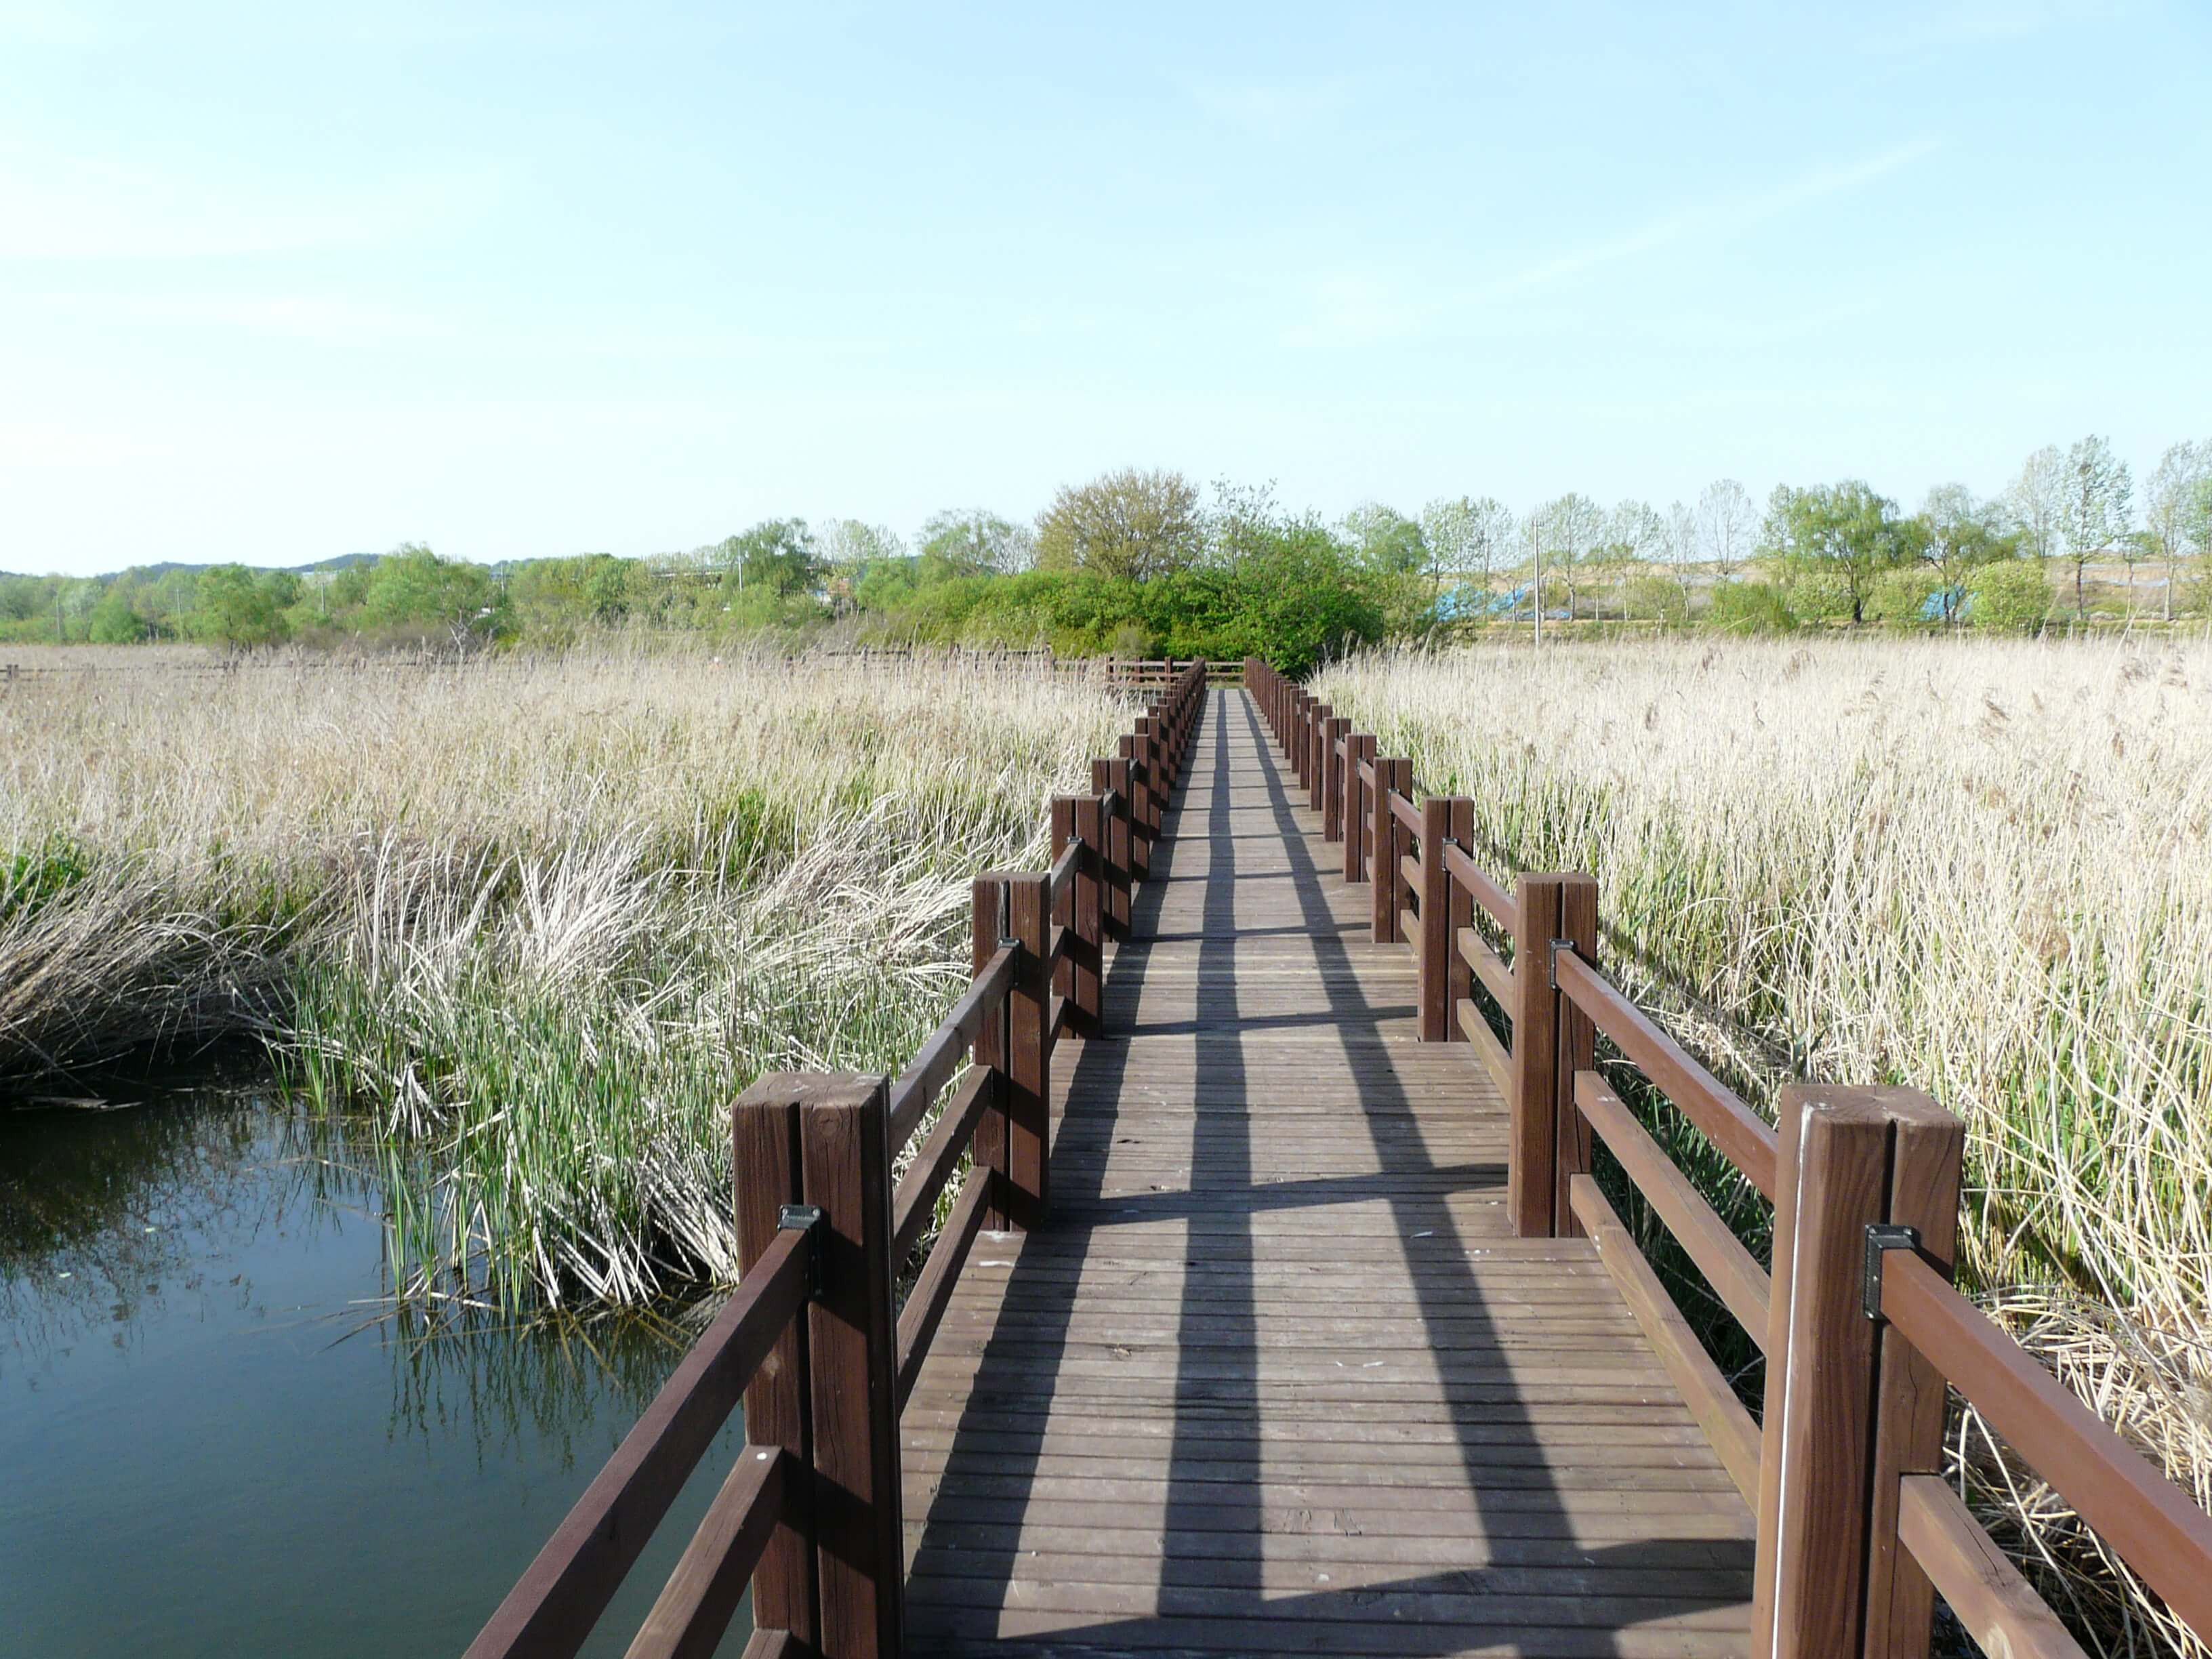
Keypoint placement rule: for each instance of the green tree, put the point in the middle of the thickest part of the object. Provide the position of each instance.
(2036, 498)
(1845, 532)
(1131, 525)
(1956, 533)
(555, 597)
(2196, 527)
(2096, 500)
(2181, 471)
(412, 589)
(1302, 599)
(1468, 539)
(2011, 596)
(243, 608)
(1387, 541)
(1566, 531)
(972, 542)
(1750, 608)
(114, 620)
(776, 555)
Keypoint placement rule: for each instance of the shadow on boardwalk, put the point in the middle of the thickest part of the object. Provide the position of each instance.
(1274, 1378)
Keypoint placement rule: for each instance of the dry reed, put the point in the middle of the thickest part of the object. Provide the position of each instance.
(1980, 869)
(540, 920)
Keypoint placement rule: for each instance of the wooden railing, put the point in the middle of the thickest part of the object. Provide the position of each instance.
(813, 1340)
(1862, 1331)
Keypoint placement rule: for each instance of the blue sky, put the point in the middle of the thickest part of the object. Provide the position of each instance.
(281, 282)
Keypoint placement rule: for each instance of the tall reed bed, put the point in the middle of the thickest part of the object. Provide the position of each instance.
(525, 932)
(1983, 870)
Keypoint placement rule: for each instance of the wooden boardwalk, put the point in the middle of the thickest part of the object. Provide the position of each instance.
(1275, 1377)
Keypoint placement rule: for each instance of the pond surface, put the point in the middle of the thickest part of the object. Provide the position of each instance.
(215, 1440)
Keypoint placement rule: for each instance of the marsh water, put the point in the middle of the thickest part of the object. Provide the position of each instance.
(216, 1439)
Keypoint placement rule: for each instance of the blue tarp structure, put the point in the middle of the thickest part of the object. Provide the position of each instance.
(1946, 605)
(1466, 604)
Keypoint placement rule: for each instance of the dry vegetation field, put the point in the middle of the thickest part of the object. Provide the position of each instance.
(1981, 869)
(522, 929)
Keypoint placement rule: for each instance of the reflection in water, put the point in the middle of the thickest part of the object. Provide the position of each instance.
(218, 1438)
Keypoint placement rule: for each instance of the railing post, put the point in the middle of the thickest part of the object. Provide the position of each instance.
(823, 1139)
(1075, 975)
(987, 927)
(1140, 811)
(1928, 1149)
(1841, 1403)
(1087, 954)
(1332, 790)
(1433, 974)
(1578, 1052)
(1459, 915)
(1358, 747)
(778, 1410)
(1392, 775)
(1029, 1054)
(1158, 779)
(1317, 785)
(860, 1554)
(1548, 1143)
(1112, 777)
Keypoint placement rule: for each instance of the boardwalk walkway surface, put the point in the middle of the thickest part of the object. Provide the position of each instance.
(1274, 1376)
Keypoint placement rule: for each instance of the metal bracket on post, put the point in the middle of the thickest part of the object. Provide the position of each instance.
(1560, 947)
(1883, 1237)
(809, 1220)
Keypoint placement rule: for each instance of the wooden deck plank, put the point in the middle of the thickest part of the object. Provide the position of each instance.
(1275, 1378)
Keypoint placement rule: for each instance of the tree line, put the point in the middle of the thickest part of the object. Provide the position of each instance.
(1141, 562)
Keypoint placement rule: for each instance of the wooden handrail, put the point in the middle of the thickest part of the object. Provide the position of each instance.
(939, 1057)
(704, 1593)
(1484, 892)
(932, 1291)
(1403, 807)
(940, 1156)
(1712, 1403)
(1740, 1283)
(1745, 1139)
(2155, 1526)
(1061, 877)
(1998, 1607)
(553, 1607)
(1488, 967)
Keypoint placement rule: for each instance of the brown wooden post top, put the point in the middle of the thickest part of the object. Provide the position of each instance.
(1844, 1152)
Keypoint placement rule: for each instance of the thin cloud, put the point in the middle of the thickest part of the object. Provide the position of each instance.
(1359, 308)
(1273, 110)
(1728, 216)
(67, 207)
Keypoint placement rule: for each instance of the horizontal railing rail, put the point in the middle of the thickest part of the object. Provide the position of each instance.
(1856, 1529)
(813, 1340)
(552, 1608)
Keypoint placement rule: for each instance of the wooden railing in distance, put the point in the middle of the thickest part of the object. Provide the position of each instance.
(809, 1515)
(1856, 1529)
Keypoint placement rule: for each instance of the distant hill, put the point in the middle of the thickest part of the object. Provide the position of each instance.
(320, 567)
(337, 562)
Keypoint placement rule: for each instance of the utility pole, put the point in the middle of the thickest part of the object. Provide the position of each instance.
(1536, 584)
